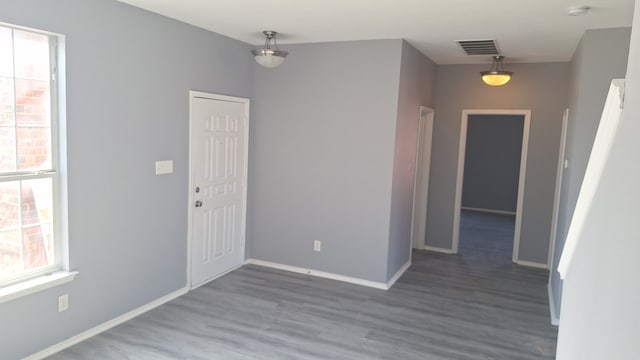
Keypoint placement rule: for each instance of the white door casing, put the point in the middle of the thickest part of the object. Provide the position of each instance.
(218, 144)
(421, 184)
(556, 199)
(521, 182)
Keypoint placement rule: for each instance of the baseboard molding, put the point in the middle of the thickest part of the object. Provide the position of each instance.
(438, 249)
(398, 274)
(532, 264)
(321, 274)
(502, 212)
(555, 319)
(106, 325)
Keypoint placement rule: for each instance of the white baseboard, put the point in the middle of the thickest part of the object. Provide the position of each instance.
(398, 274)
(532, 264)
(555, 319)
(489, 210)
(437, 249)
(105, 326)
(322, 274)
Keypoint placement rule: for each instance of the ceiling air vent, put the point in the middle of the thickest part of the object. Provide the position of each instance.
(479, 47)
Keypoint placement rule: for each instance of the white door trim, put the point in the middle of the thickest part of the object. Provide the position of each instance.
(421, 180)
(460, 174)
(556, 199)
(198, 94)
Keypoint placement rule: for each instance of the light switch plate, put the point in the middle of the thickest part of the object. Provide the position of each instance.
(164, 167)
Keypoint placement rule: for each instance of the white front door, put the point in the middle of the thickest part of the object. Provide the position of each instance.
(218, 168)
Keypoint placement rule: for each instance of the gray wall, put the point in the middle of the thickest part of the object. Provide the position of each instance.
(601, 293)
(492, 162)
(417, 85)
(600, 57)
(128, 77)
(543, 88)
(321, 157)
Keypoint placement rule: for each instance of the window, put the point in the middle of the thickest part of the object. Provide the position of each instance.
(29, 191)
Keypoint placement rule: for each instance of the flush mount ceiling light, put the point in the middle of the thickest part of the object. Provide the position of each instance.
(269, 56)
(496, 76)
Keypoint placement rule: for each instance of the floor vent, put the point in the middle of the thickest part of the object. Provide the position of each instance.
(479, 47)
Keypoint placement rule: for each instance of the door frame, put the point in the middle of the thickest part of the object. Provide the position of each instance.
(421, 189)
(556, 199)
(521, 181)
(204, 95)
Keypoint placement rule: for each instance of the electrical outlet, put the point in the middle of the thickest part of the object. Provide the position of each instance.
(317, 245)
(63, 302)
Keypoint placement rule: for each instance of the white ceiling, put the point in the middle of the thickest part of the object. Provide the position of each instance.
(525, 30)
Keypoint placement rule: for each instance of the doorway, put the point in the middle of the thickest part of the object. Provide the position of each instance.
(556, 199)
(498, 192)
(421, 183)
(218, 156)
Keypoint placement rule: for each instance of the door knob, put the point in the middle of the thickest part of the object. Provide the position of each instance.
(198, 203)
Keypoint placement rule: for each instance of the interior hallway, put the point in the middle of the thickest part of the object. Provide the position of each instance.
(486, 239)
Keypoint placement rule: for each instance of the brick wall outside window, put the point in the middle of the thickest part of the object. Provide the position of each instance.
(26, 207)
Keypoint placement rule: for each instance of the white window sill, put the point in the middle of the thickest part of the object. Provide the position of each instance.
(31, 286)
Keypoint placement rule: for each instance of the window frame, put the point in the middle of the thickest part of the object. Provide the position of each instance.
(42, 275)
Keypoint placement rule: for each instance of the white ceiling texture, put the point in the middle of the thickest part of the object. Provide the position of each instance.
(525, 30)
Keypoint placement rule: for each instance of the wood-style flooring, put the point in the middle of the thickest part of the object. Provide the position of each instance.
(475, 305)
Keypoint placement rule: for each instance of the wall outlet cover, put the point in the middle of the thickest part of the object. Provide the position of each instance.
(63, 302)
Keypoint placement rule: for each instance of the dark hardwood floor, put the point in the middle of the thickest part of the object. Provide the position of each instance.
(475, 305)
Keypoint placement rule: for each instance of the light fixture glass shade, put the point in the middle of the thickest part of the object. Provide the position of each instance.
(496, 76)
(269, 58)
(496, 79)
(269, 55)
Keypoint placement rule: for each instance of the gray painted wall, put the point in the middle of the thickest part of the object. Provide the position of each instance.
(321, 157)
(492, 162)
(128, 77)
(600, 57)
(601, 293)
(543, 88)
(417, 85)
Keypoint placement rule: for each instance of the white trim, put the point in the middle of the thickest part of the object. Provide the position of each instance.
(460, 174)
(556, 199)
(105, 325)
(398, 274)
(437, 249)
(34, 285)
(211, 96)
(555, 320)
(532, 264)
(421, 177)
(57, 271)
(199, 94)
(457, 200)
(605, 137)
(502, 212)
(321, 274)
